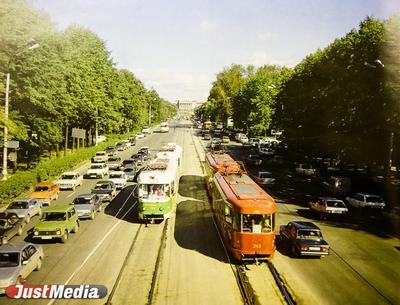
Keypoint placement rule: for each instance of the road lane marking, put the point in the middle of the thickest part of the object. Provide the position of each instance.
(71, 194)
(101, 241)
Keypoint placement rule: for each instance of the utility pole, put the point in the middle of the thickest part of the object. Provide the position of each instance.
(5, 152)
(149, 115)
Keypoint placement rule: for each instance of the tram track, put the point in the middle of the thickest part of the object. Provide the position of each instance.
(248, 293)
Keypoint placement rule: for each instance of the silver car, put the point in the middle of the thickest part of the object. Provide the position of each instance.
(17, 261)
(25, 208)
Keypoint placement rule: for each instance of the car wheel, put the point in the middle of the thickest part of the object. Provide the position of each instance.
(39, 264)
(28, 218)
(92, 215)
(75, 228)
(64, 237)
(19, 233)
(294, 251)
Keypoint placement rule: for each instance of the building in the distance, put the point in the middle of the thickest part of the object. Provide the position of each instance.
(186, 107)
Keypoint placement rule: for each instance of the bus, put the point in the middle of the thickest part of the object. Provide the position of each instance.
(171, 151)
(245, 216)
(164, 127)
(219, 161)
(157, 183)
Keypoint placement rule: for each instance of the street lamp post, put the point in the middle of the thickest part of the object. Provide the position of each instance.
(32, 45)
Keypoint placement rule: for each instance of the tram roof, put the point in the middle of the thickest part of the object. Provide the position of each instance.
(246, 194)
(222, 162)
(170, 150)
(160, 171)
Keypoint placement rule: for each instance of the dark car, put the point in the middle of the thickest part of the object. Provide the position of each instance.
(138, 159)
(86, 205)
(110, 150)
(105, 189)
(145, 152)
(128, 162)
(304, 238)
(10, 225)
(253, 160)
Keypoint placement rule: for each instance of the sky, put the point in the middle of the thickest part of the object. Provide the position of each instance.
(177, 47)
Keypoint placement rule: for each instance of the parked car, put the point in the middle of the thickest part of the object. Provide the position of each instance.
(328, 206)
(87, 205)
(100, 157)
(25, 208)
(363, 200)
(114, 162)
(45, 192)
(70, 180)
(97, 170)
(304, 238)
(17, 261)
(305, 169)
(10, 225)
(337, 185)
(130, 172)
(105, 189)
(264, 178)
(253, 160)
(145, 150)
(119, 179)
(57, 222)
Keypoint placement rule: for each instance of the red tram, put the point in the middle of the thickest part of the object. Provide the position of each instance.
(245, 215)
(216, 162)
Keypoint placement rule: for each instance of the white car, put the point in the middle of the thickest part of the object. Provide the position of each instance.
(362, 200)
(17, 261)
(100, 157)
(97, 170)
(146, 130)
(140, 135)
(265, 178)
(265, 150)
(119, 178)
(326, 206)
(25, 208)
(70, 180)
(127, 143)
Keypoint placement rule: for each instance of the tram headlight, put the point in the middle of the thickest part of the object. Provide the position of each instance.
(161, 209)
(143, 208)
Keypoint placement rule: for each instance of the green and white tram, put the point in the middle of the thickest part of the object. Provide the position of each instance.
(156, 189)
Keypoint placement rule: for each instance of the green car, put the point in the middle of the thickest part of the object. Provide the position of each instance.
(57, 222)
(225, 139)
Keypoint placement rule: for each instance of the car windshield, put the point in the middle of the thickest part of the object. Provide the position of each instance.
(129, 170)
(68, 177)
(265, 175)
(54, 216)
(309, 234)
(3, 223)
(257, 223)
(113, 159)
(373, 199)
(102, 186)
(83, 200)
(42, 189)
(100, 154)
(335, 204)
(116, 176)
(96, 166)
(128, 162)
(9, 259)
(19, 205)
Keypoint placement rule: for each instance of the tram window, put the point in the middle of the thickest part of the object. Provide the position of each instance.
(257, 223)
(236, 221)
(157, 190)
(143, 190)
(167, 189)
(228, 214)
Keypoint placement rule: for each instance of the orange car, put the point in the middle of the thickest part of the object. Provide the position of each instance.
(45, 192)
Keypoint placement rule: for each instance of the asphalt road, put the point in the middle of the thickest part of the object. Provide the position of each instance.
(363, 267)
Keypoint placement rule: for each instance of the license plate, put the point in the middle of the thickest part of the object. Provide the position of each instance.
(46, 237)
(94, 176)
(314, 248)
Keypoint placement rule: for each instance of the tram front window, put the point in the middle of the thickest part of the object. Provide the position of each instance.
(257, 223)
